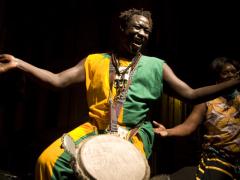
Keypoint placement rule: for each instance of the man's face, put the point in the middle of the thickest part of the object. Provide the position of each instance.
(136, 34)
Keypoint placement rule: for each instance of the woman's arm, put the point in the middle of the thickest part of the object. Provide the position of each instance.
(187, 127)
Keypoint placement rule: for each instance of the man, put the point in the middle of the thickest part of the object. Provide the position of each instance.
(120, 85)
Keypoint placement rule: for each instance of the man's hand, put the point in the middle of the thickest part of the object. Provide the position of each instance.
(160, 129)
(7, 62)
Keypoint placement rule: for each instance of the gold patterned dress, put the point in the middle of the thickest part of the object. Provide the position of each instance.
(222, 138)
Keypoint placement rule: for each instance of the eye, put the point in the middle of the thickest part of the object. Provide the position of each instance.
(137, 27)
(148, 31)
(225, 73)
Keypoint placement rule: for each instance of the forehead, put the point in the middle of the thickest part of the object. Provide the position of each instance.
(228, 67)
(139, 20)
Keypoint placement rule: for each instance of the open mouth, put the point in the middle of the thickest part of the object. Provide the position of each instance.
(137, 43)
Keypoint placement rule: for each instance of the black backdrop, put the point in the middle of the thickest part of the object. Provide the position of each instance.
(55, 34)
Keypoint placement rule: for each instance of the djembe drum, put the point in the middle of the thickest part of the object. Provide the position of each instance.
(106, 157)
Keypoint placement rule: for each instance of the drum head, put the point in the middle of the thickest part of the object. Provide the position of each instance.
(108, 157)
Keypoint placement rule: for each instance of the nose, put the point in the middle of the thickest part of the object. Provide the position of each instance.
(229, 75)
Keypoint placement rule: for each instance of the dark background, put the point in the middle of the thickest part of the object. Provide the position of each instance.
(56, 34)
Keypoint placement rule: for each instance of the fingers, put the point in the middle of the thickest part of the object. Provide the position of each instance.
(158, 124)
(4, 68)
(7, 62)
(161, 132)
(6, 57)
(164, 133)
(160, 129)
(3, 55)
(155, 130)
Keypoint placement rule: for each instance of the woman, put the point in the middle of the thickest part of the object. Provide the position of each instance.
(221, 119)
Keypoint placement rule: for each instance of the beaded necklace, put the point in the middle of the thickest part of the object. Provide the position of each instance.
(121, 75)
(121, 81)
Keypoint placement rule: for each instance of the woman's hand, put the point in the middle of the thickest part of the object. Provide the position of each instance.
(160, 129)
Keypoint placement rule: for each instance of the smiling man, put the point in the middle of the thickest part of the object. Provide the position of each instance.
(136, 30)
(120, 86)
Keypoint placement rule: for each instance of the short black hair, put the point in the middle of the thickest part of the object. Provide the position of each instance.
(125, 16)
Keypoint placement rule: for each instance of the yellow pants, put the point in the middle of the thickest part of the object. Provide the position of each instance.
(54, 162)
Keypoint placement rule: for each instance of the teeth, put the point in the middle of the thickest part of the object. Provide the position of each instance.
(138, 42)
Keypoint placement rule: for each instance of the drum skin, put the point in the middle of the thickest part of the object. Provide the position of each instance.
(109, 157)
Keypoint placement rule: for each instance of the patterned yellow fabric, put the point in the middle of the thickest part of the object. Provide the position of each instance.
(223, 124)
